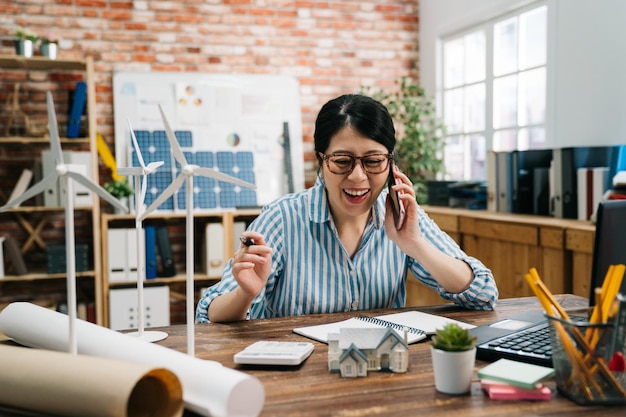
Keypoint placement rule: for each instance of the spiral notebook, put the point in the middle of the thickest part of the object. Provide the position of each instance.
(420, 325)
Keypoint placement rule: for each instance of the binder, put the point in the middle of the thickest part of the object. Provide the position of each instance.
(168, 268)
(504, 182)
(151, 266)
(214, 249)
(22, 184)
(78, 107)
(1, 256)
(524, 164)
(541, 191)
(591, 188)
(492, 181)
(563, 196)
(15, 256)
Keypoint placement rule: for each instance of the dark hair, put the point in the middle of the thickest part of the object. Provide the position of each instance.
(364, 114)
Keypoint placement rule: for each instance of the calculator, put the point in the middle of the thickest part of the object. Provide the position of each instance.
(274, 352)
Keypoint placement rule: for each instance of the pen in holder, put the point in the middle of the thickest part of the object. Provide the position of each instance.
(588, 360)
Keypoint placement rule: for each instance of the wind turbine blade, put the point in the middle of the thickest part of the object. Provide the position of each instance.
(39, 187)
(129, 171)
(152, 166)
(211, 173)
(136, 145)
(55, 141)
(142, 195)
(104, 194)
(167, 193)
(178, 153)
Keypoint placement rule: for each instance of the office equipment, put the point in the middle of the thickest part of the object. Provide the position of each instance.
(214, 249)
(591, 185)
(168, 268)
(124, 313)
(2, 256)
(523, 166)
(274, 352)
(419, 325)
(77, 109)
(151, 251)
(495, 340)
(609, 243)
(56, 259)
(14, 255)
(122, 263)
(524, 375)
(502, 391)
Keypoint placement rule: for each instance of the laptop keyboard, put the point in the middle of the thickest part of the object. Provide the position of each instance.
(533, 343)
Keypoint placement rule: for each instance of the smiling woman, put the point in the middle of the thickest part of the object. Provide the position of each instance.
(335, 247)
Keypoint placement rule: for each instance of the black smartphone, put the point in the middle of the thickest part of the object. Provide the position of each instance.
(396, 206)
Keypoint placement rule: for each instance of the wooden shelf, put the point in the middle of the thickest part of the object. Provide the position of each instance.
(44, 276)
(41, 63)
(32, 219)
(28, 140)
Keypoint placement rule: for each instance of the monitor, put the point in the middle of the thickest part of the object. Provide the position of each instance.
(610, 243)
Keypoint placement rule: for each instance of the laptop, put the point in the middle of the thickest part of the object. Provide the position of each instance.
(525, 336)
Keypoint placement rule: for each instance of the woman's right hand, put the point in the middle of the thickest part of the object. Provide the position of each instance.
(252, 264)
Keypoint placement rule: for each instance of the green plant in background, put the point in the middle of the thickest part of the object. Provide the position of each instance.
(420, 133)
(119, 188)
(25, 34)
(453, 338)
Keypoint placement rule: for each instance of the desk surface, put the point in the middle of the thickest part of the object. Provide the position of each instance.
(311, 390)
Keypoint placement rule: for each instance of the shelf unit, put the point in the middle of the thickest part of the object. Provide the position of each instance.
(29, 222)
(175, 223)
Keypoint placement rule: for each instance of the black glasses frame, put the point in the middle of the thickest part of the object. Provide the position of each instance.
(353, 159)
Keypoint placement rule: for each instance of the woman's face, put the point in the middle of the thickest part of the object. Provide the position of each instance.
(354, 193)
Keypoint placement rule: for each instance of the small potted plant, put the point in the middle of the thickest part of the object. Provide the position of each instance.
(453, 352)
(24, 41)
(119, 189)
(49, 46)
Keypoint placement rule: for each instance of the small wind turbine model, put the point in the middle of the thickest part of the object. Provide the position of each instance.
(140, 195)
(187, 173)
(66, 173)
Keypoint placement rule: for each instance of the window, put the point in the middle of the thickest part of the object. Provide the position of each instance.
(494, 90)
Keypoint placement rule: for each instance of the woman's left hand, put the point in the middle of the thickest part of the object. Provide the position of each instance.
(410, 231)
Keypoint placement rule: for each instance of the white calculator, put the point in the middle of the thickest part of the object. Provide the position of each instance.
(274, 353)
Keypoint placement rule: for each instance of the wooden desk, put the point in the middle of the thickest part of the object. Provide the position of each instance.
(311, 391)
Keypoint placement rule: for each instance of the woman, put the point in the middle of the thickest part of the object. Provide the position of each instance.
(334, 247)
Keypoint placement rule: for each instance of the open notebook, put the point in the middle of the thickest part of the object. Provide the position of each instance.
(419, 325)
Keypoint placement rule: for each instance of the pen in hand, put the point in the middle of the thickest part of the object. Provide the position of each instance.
(248, 241)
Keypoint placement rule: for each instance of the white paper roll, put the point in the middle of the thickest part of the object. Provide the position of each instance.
(208, 387)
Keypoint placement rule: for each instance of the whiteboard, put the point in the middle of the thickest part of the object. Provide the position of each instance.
(222, 113)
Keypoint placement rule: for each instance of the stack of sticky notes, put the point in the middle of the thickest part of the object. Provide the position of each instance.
(507, 379)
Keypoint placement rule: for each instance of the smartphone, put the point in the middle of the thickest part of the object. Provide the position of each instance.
(396, 206)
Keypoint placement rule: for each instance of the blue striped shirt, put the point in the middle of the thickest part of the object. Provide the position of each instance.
(313, 273)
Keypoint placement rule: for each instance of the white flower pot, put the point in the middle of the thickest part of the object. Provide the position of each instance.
(24, 47)
(49, 50)
(453, 371)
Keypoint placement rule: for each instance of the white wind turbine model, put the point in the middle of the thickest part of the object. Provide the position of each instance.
(66, 173)
(187, 173)
(140, 195)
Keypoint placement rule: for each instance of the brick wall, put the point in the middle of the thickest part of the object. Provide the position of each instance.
(331, 47)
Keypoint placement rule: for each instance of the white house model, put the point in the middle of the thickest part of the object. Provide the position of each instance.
(353, 352)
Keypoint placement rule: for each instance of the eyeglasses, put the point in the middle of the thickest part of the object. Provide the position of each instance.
(375, 163)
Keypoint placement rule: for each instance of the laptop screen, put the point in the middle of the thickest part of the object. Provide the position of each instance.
(610, 243)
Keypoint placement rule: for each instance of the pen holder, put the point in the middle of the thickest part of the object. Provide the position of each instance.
(588, 361)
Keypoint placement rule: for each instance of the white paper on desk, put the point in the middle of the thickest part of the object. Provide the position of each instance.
(68, 385)
(208, 387)
(424, 324)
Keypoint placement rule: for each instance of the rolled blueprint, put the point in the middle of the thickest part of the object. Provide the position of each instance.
(209, 388)
(77, 385)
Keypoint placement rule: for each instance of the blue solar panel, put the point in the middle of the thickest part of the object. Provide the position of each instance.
(208, 192)
(157, 183)
(184, 138)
